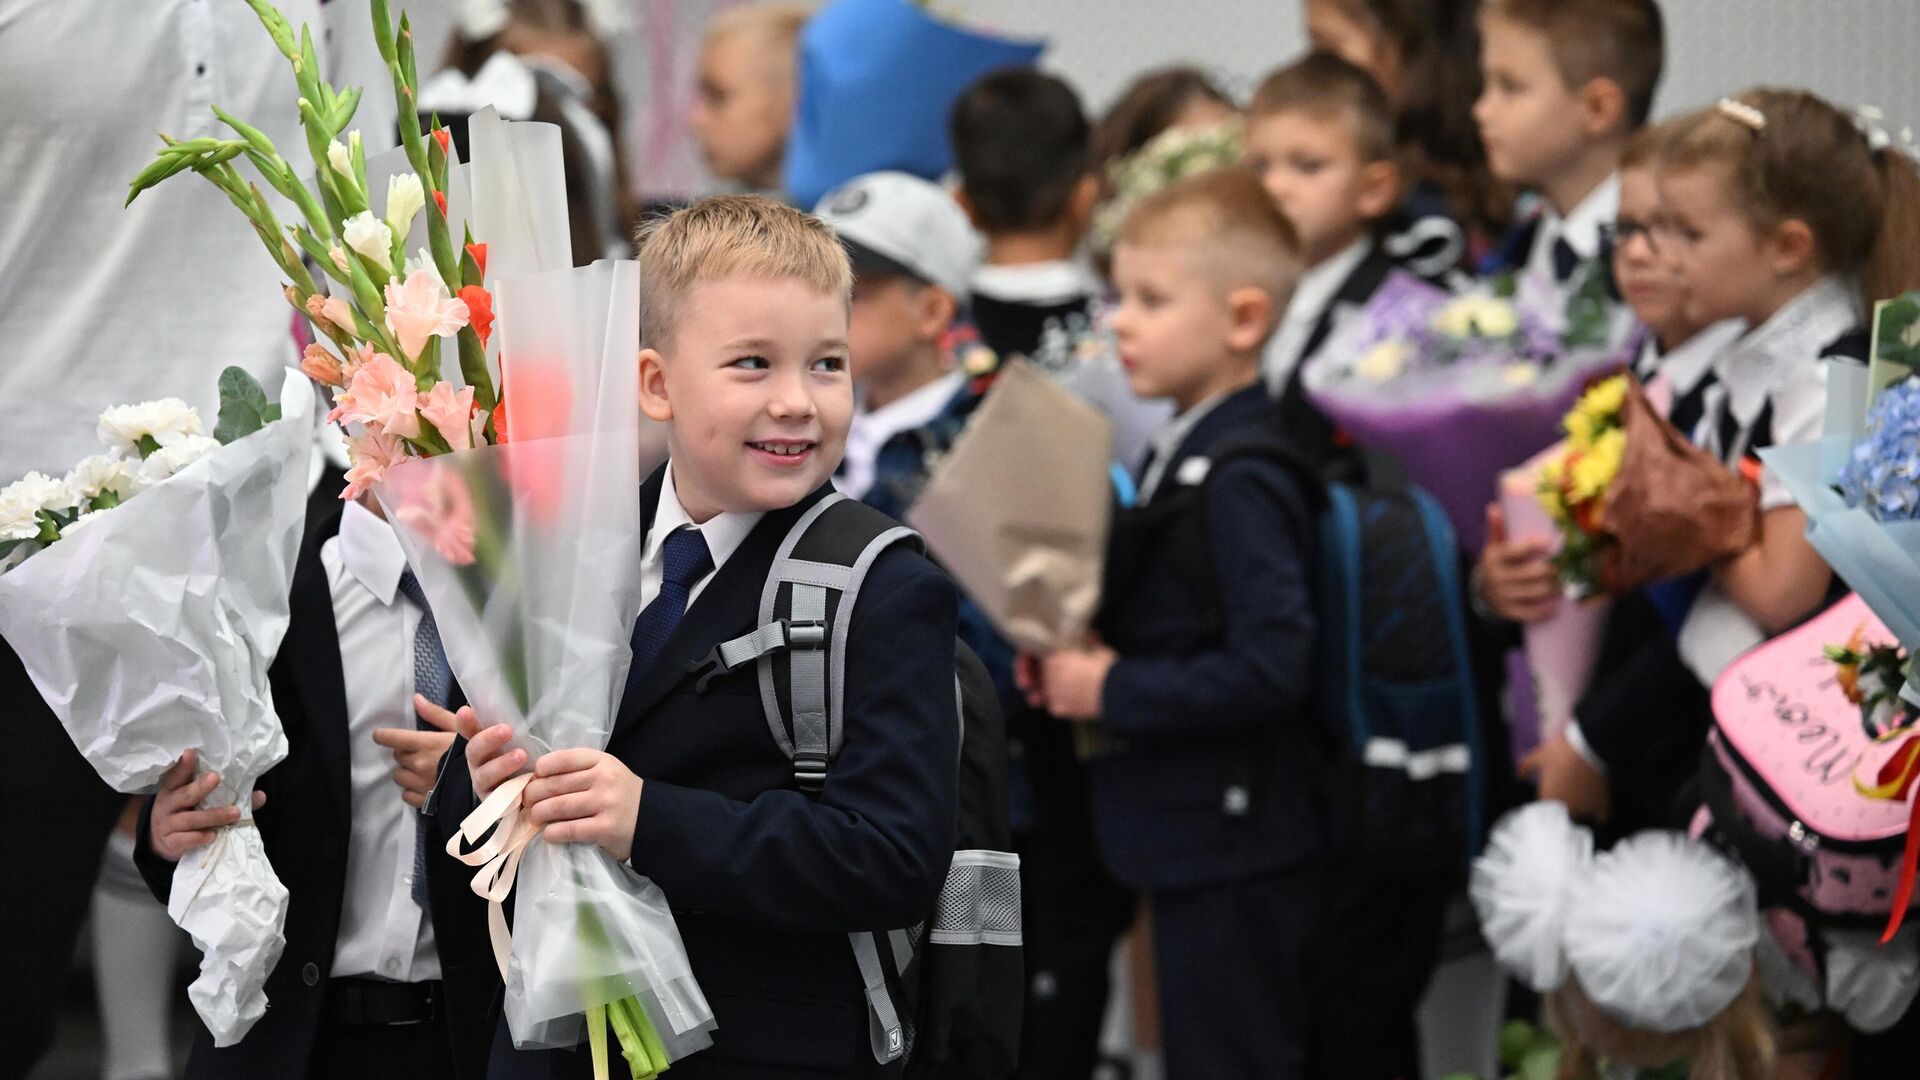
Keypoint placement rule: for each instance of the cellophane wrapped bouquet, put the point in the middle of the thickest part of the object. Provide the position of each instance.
(506, 451)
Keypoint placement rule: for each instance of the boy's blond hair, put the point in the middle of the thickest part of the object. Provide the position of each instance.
(1622, 41)
(1238, 231)
(775, 25)
(726, 235)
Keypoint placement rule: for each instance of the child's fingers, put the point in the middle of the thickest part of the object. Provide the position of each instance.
(1529, 767)
(407, 740)
(259, 799)
(437, 716)
(188, 795)
(1496, 524)
(465, 723)
(572, 807)
(200, 820)
(546, 787)
(499, 770)
(412, 780)
(565, 761)
(183, 842)
(483, 746)
(179, 772)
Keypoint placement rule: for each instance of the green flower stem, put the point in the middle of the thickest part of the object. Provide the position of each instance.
(473, 369)
(320, 254)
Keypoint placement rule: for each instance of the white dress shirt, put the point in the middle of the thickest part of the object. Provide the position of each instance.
(383, 933)
(723, 533)
(100, 304)
(1059, 281)
(871, 428)
(1166, 442)
(1580, 227)
(1310, 299)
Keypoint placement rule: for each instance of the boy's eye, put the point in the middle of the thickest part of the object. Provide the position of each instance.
(831, 364)
(750, 363)
(1309, 166)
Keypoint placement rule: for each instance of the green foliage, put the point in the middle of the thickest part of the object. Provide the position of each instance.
(244, 408)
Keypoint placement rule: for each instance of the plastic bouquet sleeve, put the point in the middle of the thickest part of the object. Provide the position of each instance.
(529, 552)
(1026, 544)
(149, 633)
(1560, 650)
(1879, 560)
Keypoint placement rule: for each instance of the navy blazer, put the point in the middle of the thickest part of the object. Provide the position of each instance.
(306, 825)
(765, 881)
(1211, 698)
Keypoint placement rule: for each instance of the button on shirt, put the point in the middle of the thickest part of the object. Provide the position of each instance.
(383, 933)
(724, 533)
(101, 305)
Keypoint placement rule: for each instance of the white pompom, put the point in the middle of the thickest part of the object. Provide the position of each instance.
(1520, 888)
(1661, 932)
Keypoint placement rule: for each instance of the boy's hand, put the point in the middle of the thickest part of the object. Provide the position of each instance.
(1030, 677)
(1569, 779)
(585, 796)
(179, 828)
(1517, 579)
(417, 754)
(487, 766)
(1073, 679)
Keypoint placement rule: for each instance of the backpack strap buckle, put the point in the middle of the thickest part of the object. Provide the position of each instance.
(781, 634)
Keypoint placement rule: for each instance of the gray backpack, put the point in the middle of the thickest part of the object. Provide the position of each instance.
(947, 994)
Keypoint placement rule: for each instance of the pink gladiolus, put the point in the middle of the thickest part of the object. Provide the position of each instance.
(430, 499)
(450, 412)
(322, 366)
(372, 455)
(420, 309)
(337, 312)
(382, 396)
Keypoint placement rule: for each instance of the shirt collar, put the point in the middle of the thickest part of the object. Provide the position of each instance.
(1061, 281)
(371, 552)
(913, 409)
(1319, 285)
(1758, 364)
(1690, 361)
(724, 532)
(1168, 439)
(1580, 228)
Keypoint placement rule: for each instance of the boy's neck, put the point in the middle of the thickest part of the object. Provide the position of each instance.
(1783, 291)
(1592, 168)
(911, 374)
(1237, 372)
(1053, 244)
(1337, 246)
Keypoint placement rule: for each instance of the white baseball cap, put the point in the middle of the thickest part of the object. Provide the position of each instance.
(897, 223)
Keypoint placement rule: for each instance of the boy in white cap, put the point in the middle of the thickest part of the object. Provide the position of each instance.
(913, 251)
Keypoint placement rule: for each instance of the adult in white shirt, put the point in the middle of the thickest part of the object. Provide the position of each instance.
(99, 305)
(387, 970)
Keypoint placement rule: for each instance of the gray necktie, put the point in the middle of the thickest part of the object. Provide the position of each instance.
(431, 679)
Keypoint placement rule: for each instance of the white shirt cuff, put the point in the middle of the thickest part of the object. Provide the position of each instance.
(1578, 740)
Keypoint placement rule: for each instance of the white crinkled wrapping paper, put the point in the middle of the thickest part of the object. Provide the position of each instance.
(149, 633)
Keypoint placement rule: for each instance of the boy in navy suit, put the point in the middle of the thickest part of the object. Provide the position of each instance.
(1201, 686)
(745, 308)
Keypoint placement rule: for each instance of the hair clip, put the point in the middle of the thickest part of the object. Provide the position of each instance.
(1871, 123)
(1743, 113)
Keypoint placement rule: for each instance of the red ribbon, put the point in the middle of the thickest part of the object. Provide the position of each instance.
(1904, 894)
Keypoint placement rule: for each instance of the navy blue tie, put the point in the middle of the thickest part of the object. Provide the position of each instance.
(684, 561)
(1565, 260)
(432, 679)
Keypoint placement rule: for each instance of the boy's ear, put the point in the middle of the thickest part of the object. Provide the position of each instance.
(934, 312)
(1250, 311)
(653, 386)
(1083, 202)
(1379, 189)
(1603, 108)
(966, 204)
(1789, 247)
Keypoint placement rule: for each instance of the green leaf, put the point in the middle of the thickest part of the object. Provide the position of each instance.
(1541, 1063)
(277, 26)
(148, 446)
(344, 107)
(244, 408)
(1516, 1037)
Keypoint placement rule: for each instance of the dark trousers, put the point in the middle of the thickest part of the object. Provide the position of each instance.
(65, 814)
(1376, 953)
(1233, 964)
(1072, 912)
(370, 1051)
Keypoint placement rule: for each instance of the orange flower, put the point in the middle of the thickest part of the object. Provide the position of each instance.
(322, 366)
(500, 422)
(440, 200)
(443, 137)
(479, 253)
(479, 311)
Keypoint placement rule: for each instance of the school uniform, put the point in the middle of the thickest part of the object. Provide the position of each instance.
(1206, 799)
(1327, 296)
(1041, 311)
(766, 882)
(1546, 250)
(1770, 389)
(376, 978)
(871, 428)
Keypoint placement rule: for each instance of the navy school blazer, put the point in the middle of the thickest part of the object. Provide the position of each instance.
(1211, 698)
(767, 882)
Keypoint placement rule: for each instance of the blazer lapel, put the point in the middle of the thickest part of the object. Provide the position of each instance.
(312, 650)
(725, 609)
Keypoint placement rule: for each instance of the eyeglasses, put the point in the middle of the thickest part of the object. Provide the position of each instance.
(1621, 231)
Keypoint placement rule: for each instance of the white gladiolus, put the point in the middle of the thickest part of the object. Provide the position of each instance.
(167, 421)
(405, 198)
(370, 237)
(423, 260)
(171, 459)
(340, 159)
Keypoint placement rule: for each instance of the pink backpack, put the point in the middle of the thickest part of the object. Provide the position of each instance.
(1786, 747)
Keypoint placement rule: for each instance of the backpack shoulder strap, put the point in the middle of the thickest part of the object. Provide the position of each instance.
(806, 608)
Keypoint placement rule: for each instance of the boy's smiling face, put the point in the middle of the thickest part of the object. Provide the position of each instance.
(755, 390)
(1530, 119)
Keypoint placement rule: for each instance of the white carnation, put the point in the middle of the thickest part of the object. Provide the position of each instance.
(405, 198)
(171, 459)
(22, 501)
(370, 237)
(100, 474)
(167, 421)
